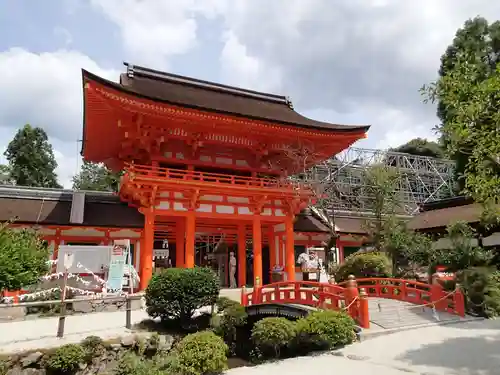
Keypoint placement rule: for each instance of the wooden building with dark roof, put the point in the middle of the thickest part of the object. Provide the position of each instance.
(434, 218)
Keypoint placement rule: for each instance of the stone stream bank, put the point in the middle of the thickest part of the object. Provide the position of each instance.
(101, 356)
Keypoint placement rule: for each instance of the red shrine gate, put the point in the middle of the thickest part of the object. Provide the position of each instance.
(203, 159)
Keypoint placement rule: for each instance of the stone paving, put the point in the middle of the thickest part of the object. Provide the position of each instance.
(387, 314)
(470, 348)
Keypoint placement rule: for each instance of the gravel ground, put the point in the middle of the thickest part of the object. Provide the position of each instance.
(463, 349)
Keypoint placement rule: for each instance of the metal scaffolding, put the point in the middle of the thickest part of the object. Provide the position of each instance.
(419, 179)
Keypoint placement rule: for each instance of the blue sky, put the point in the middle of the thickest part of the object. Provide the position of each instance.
(348, 61)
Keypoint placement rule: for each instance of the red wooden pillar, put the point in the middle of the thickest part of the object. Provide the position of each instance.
(272, 247)
(146, 263)
(257, 249)
(190, 239)
(280, 250)
(180, 231)
(290, 249)
(242, 256)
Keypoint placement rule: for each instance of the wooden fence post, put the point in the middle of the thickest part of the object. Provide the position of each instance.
(244, 296)
(351, 294)
(437, 293)
(364, 311)
(128, 312)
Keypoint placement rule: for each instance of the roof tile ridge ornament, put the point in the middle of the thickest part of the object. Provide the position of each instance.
(289, 102)
(149, 73)
(130, 70)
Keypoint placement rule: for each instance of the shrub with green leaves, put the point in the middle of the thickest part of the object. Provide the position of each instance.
(93, 346)
(132, 364)
(272, 335)
(325, 329)
(23, 258)
(200, 353)
(66, 359)
(176, 293)
(364, 265)
(481, 287)
(227, 325)
(223, 303)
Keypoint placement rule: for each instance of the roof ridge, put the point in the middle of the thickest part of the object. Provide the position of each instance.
(133, 70)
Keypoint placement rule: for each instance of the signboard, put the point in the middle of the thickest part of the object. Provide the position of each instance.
(117, 266)
(69, 259)
(94, 258)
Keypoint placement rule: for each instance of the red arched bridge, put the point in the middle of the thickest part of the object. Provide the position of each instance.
(352, 295)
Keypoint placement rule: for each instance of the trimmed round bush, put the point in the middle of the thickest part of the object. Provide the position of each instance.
(223, 303)
(66, 359)
(325, 329)
(176, 293)
(364, 265)
(272, 335)
(200, 353)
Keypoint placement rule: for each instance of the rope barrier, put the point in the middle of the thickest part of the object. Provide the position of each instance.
(433, 303)
(352, 303)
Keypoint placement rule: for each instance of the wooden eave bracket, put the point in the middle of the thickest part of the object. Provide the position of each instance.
(258, 203)
(193, 199)
(296, 205)
(152, 198)
(195, 141)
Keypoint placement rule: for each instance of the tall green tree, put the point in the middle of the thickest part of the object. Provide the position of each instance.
(31, 158)
(421, 147)
(472, 105)
(471, 59)
(23, 258)
(96, 177)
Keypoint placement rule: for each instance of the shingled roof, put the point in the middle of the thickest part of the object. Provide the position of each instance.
(439, 214)
(53, 207)
(208, 96)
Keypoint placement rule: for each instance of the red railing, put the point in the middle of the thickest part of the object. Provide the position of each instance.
(321, 295)
(414, 292)
(149, 172)
(352, 295)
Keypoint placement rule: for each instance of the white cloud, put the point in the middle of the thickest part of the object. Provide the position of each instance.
(152, 31)
(352, 59)
(45, 90)
(64, 35)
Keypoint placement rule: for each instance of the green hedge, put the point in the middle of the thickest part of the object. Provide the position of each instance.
(272, 335)
(66, 359)
(176, 293)
(364, 265)
(200, 353)
(325, 329)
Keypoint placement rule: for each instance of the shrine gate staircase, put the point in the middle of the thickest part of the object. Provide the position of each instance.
(386, 303)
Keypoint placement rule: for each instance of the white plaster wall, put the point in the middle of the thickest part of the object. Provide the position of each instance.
(492, 240)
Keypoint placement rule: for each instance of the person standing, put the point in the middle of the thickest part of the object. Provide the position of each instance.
(303, 261)
(232, 271)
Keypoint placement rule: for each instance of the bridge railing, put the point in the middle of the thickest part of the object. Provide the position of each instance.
(320, 295)
(414, 292)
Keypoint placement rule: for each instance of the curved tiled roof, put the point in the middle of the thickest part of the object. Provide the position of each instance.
(208, 96)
